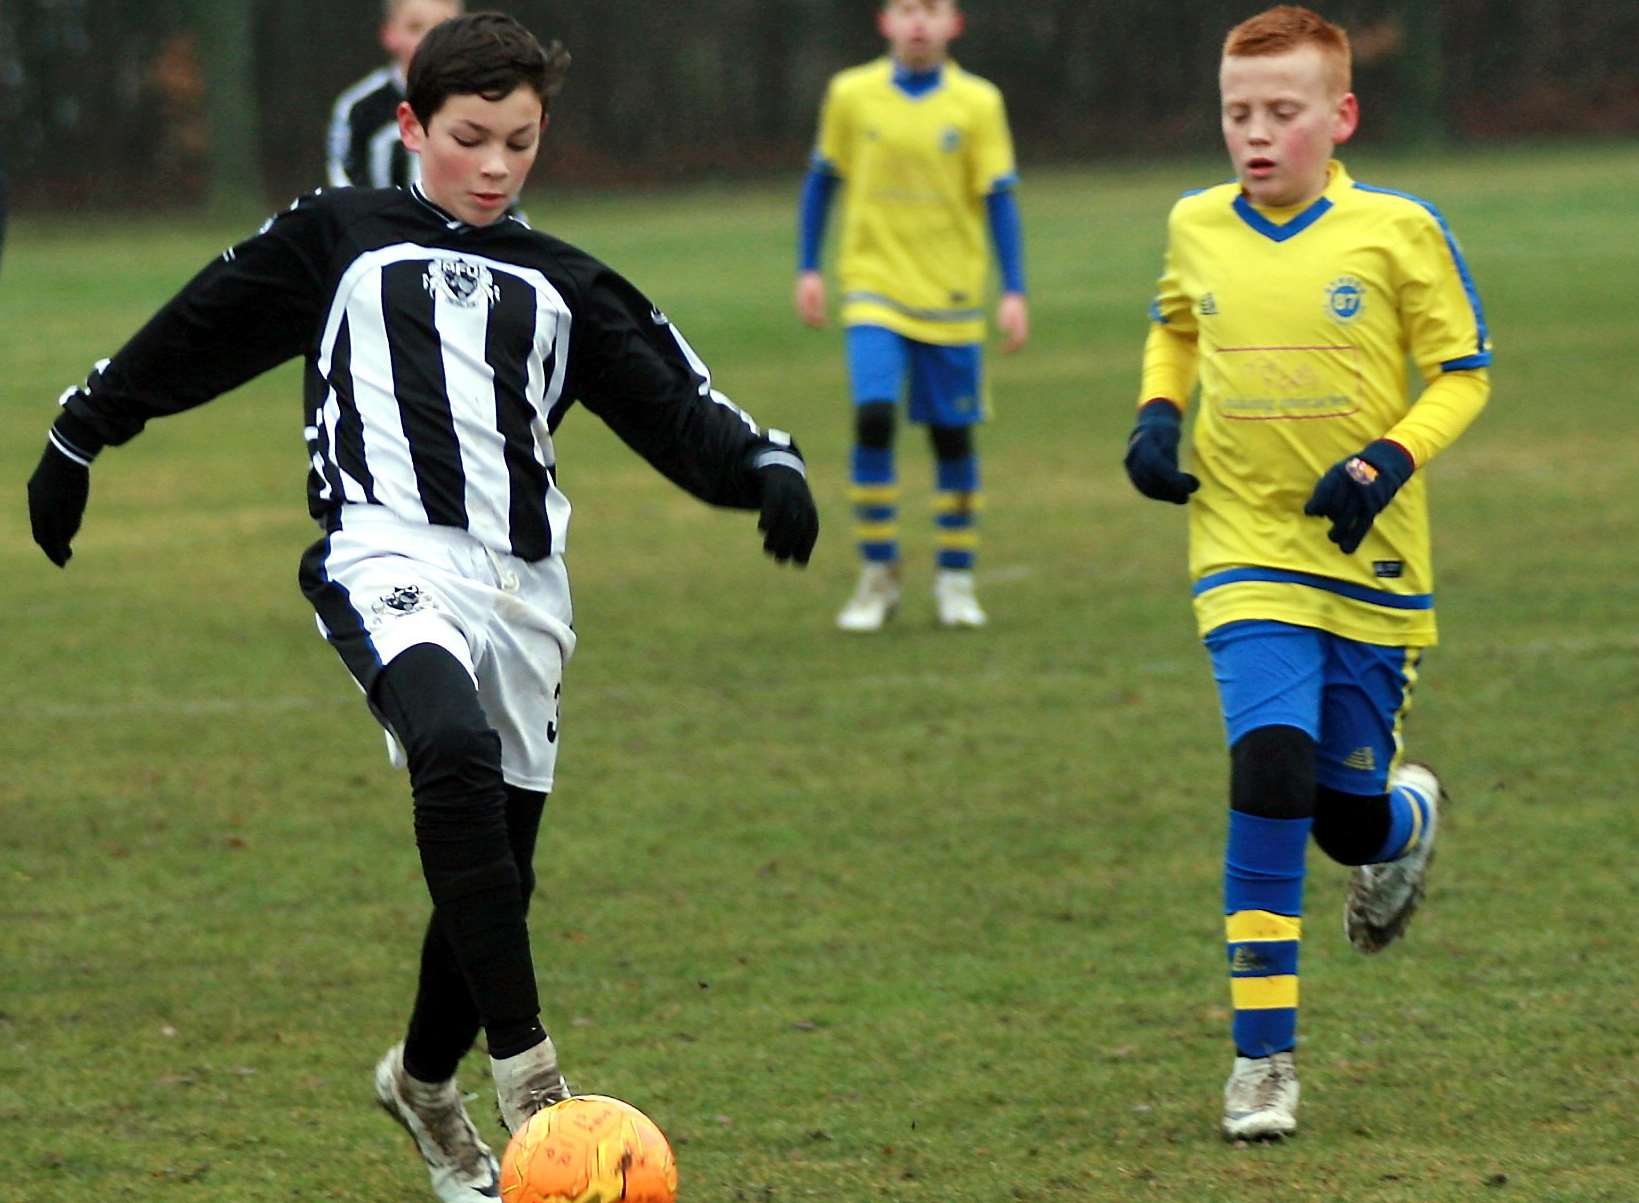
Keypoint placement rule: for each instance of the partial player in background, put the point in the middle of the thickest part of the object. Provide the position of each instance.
(1295, 296)
(363, 146)
(921, 151)
(444, 342)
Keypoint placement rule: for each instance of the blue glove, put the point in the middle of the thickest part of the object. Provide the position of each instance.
(1152, 454)
(1354, 491)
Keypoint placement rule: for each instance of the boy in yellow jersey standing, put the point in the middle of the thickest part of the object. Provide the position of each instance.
(1293, 296)
(922, 150)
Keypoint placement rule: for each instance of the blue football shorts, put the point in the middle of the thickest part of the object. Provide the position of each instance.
(946, 382)
(1350, 697)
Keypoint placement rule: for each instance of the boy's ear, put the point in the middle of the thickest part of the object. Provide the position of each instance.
(409, 128)
(1347, 119)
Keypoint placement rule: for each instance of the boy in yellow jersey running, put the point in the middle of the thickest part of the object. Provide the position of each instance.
(923, 152)
(1294, 296)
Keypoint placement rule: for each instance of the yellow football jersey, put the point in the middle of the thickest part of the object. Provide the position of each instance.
(1299, 325)
(916, 170)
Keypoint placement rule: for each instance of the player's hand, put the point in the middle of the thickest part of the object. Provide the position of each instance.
(1013, 318)
(57, 493)
(810, 299)
(789, 520)
(1354, 491)
(1152, 454)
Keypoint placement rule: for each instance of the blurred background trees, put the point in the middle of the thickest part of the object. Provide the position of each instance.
(115, 103)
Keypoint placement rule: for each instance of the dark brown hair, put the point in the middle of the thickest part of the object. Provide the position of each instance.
(484, 54)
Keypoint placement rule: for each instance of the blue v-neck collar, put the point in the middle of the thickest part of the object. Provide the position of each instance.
(916, 84)
(1281, 231)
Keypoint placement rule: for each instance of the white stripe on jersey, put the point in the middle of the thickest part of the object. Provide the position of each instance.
(702, 371)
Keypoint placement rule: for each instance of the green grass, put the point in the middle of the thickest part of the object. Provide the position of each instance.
(924, 918)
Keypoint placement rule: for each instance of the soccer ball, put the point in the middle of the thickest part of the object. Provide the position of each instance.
(588, 1149)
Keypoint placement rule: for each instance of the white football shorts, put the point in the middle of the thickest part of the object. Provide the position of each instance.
(381, 585)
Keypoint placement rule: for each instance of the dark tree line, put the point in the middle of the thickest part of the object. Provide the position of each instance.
(144, 102)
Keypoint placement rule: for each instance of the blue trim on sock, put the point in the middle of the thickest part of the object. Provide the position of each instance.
(957, 475)
(1264, 864)
(1404, 805)
(872, 465)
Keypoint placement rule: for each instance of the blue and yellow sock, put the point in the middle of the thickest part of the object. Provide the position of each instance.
(1263, 908)
(1408, 820)
(875, 495)
(957, 503)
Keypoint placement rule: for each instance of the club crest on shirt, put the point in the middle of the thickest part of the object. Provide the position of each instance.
(460, 283)
(950, 141)
(1345, 298)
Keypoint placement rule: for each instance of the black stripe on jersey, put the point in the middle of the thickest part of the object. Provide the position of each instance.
(410, 314)
(334, 606)
(508, 341)
(349, 426)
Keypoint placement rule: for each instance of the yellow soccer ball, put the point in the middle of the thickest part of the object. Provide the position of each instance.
(589, 1149)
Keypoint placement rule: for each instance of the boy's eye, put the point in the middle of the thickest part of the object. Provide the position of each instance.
(466, 141)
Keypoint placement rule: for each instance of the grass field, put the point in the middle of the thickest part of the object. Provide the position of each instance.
(929, 918)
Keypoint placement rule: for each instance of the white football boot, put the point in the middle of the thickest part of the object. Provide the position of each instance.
(462, 1167)
(1261, 1098)
(953, 594)
(875, 599)
(1382, 898)
(527, 1083)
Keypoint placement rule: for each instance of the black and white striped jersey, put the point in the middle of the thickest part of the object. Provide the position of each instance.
(363, 148)
(440, 358)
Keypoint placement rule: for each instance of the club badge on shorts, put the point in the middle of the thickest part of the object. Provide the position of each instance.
(405, 599)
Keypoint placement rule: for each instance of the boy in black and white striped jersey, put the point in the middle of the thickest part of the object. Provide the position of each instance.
(444, 340)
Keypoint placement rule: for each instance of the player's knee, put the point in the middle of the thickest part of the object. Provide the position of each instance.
(460, 756)
(874, 424)
(951, 442)
(1272, 773)
(1350, 828)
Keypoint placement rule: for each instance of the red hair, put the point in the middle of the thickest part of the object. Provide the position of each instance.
(1288, 27)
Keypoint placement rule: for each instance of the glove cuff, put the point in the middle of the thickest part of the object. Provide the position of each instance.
(778, 451)
(1158, 411)
(75, 438)
(1391, 459)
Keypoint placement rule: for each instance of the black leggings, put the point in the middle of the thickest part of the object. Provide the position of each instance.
(1272, 774)
(476, 836)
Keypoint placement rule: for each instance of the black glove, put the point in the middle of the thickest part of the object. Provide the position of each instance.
(59, 489)
(1152, 454)
(1354, 491)
(789, 521)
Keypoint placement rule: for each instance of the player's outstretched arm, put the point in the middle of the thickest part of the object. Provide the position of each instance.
(1152, 454)
(1353, 491)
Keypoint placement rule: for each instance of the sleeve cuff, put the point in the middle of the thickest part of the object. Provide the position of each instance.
(75, 438)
